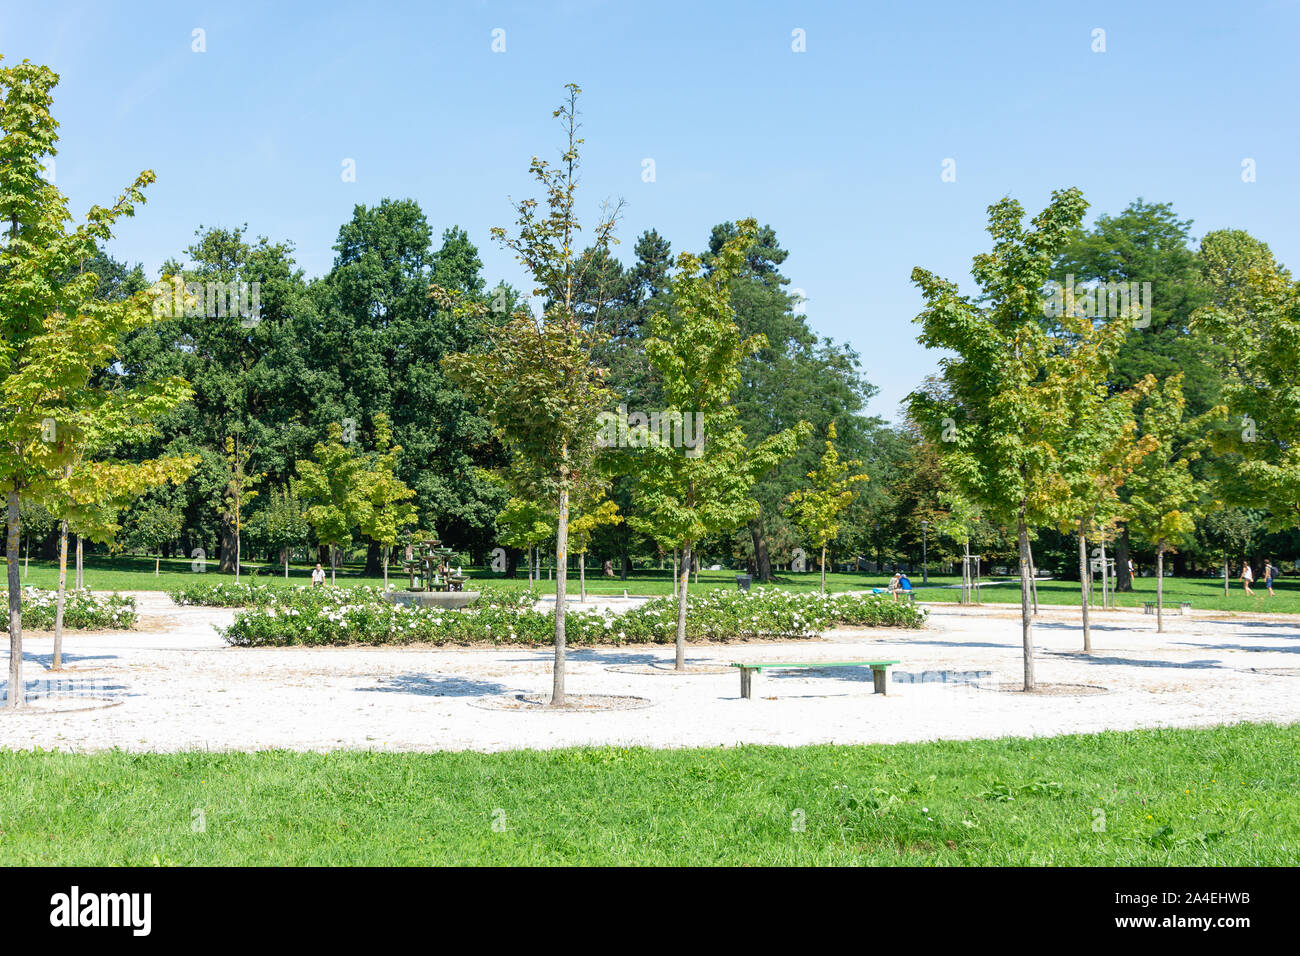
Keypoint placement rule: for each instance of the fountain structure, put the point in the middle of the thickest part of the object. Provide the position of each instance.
(432, 581)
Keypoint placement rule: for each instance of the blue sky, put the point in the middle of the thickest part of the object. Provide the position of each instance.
(840, 148)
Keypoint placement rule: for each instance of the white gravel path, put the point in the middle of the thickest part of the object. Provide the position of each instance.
(175, 685)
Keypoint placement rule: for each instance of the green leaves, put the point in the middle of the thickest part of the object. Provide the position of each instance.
(818, 508)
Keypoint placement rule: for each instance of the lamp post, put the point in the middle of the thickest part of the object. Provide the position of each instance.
(925, 564)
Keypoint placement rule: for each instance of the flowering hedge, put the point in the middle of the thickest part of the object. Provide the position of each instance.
(357, 616)
(245, 594)
(82, 610)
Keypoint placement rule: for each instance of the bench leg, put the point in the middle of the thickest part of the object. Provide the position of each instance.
(879, 676)
(746, 683)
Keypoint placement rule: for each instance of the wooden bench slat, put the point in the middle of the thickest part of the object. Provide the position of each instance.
(879, 672)
(759, 667)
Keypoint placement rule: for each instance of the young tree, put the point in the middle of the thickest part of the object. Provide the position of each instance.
(695, 349)
(1097, 456)
(54, 337)
(1003, 415)
(154, 526)
(819, 508)
(1165, 497)
(333, 486)
(284, 522)
(539, 380)
(389, 508)
(240, 489)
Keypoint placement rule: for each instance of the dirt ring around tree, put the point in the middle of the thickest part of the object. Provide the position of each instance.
(668, 668)
(1273, 671)
(574, 703)
(1051, 690)
(61, 705)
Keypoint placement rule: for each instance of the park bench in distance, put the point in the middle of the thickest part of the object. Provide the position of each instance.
(879, 672)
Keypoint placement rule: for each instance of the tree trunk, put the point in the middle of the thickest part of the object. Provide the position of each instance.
(1160, 588)
(681, 606)
(238, 554)
(374, 552)
(56, 660)
(81, 567)
(823, 569)
(385, 551)
(284, 554)
(1084, 589)
(1026, 618)
(17, 692)
(762, 560)
(157, 563)
(1225, 574)
(625, 559)
(582, 576)
(1123, 580)
(227, 537)
(333, 562)
(561, 567)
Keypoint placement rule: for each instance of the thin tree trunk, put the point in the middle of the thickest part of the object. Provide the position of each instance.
(81, 566)
(1225, 574)
(334, 551)
(1084, 589)
(562, 565)
(285, 554)
(1033, 580)
(681, 606)
(238, 555)
(383, 550)
(1160, 588)
(56, 662)
(582, 576)
(157, 563)
(823, 569)
(17, 692)
(1026, 618)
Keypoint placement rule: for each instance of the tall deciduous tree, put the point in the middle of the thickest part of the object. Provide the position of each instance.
(539, 380)
(1003, 415)
(390, 507)
(688, 485)
(54, 336)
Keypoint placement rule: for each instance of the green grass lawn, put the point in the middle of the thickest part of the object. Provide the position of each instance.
(133, 573)
(1227, 795)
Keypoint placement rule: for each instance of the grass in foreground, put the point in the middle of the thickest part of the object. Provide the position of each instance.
(1227, 795)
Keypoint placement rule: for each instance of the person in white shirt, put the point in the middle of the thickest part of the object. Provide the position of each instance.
(1247, 578)
(317, 575)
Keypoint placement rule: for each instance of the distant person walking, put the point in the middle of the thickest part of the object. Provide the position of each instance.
(1247, 578)
(317, 575)
(1269, 572)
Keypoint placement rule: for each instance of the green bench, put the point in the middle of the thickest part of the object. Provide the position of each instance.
(879, 672)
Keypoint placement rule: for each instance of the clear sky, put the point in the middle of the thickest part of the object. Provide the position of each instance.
(840, 148)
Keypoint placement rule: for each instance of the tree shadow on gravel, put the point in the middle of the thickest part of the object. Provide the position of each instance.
(436, 685)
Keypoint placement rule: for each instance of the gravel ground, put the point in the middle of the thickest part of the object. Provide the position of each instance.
(174, 685)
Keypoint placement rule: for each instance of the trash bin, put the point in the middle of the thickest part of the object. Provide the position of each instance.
(743, 581)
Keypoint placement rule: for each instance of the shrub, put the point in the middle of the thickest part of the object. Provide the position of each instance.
(82, 610)
(360, 616)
